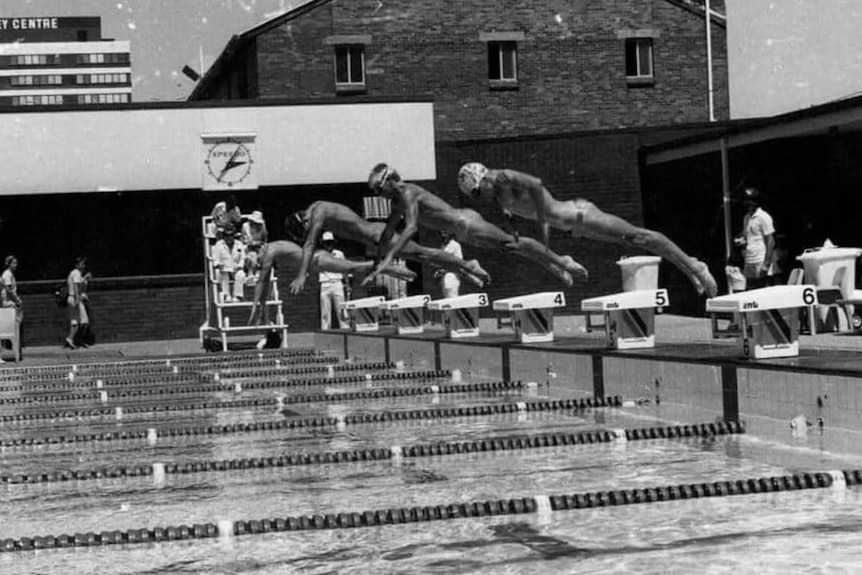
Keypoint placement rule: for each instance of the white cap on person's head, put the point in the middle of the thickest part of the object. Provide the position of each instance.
(327, 237)
(469, 177)
(256, 217)
(379, 176)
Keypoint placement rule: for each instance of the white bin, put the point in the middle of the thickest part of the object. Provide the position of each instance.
(639, 272)
(831, 267)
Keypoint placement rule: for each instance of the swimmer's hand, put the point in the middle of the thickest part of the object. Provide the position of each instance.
(370, 277)
(297, 285)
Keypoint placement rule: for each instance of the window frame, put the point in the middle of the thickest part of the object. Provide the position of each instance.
(638, 44)
(351, 85)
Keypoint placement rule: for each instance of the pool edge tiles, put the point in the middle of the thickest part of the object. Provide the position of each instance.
(709, 376)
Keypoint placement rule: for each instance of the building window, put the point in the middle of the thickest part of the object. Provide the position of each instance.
(47, 100)
(639, 64)
(103, 98)
(503, 61)
(350, 67)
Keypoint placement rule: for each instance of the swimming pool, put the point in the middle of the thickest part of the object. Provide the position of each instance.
(315, 465)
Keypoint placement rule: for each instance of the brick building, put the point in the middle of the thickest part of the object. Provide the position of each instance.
(567, 90)
(493, 69)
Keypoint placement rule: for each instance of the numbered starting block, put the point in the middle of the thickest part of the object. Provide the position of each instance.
(408, 314)
(769, 318)
(364, 313)
(629, 316)
(532, 315)
(461, 313)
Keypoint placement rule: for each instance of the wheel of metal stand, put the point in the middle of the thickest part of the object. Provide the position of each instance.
(211, 345)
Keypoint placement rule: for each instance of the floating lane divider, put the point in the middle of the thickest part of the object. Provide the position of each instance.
(220, 386)
(207, 388)
(540, 504)
(277, 369)
(135, 367)
(510, 443)
(266, 401)
(302, 422)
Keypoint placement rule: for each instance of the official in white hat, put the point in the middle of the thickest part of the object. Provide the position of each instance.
(331, 287)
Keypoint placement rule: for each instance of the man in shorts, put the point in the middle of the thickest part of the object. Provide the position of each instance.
(417, 206)
(520, 194)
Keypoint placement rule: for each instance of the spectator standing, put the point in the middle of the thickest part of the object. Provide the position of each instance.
(254, 237)
(449, 281)
(758, 235)
(331, 287)
(229, 260)
(76, 301)
(10, 287)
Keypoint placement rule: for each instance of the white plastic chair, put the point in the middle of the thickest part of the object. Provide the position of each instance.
(10, 330)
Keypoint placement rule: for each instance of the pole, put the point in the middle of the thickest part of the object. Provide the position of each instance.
(725, 194)
(709, 59)
(202, 60)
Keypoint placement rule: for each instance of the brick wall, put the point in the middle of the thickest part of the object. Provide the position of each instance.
(570, 63)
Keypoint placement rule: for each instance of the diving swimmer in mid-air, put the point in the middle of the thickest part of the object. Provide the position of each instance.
(307, 225)
(417, 206)
(524, 195)
(285, 251)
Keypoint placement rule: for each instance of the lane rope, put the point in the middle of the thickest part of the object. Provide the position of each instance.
(426, 513)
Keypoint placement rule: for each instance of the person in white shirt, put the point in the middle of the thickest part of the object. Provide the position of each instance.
(254, 238)
(331, 287)
(758, 237)
(449, 281)
(229, 260)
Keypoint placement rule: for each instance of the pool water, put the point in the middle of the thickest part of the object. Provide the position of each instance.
(809, 531)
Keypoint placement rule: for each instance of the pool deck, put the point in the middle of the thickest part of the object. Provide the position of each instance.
(689, 337)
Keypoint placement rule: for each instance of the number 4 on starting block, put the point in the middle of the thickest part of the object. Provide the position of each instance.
(532, 315)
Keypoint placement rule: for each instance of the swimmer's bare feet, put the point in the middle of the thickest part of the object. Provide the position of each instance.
(576, 270)
(707, 283)
(477, 275)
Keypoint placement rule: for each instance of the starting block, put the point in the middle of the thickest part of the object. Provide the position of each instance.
(769, 318)
(460, 313)
(407, 313)
(629, 316)
(532, 315)
(364, 313)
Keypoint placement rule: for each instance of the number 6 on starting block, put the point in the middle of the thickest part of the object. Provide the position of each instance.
(532, 315)
(769, 318)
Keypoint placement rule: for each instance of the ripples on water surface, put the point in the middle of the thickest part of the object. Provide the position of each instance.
(814, 531)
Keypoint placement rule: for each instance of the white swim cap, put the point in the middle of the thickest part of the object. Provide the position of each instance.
(378, 177)
(469, 177)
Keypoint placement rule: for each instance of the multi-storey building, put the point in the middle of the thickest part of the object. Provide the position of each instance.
(51, 61)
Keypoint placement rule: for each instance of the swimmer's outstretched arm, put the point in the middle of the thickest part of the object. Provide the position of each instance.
(407, 207)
